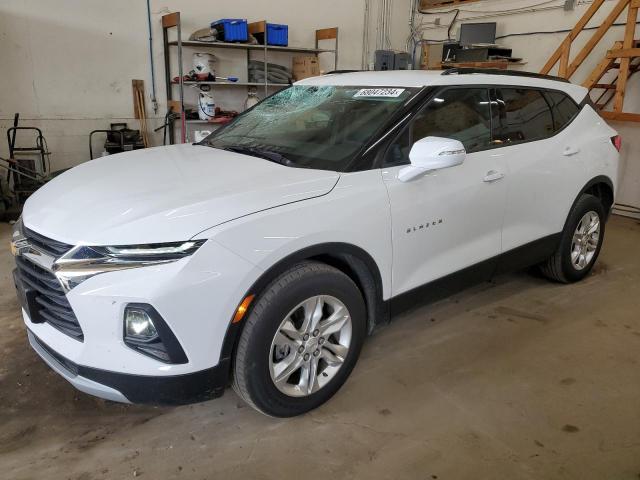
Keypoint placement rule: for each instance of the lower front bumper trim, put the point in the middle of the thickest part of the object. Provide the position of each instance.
(145, 389)
(65, 369)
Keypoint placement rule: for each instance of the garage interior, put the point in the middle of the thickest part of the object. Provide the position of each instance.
(519, 378)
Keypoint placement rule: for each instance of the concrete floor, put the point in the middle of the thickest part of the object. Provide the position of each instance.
(521, 379)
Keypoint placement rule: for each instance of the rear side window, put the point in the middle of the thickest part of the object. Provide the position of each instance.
(563, 107)
(523, 116)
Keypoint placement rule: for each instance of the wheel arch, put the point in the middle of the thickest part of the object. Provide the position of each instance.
(353, 261)
(602, 188)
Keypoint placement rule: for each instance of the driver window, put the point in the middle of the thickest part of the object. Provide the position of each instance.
(463, 114)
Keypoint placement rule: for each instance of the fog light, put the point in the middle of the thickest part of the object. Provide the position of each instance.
(138, 324)
(146, 332)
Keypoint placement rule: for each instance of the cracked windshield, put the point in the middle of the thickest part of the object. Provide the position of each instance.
(307, 126)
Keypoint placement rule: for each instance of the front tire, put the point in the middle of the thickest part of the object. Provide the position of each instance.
(301, 340)
(580, 243)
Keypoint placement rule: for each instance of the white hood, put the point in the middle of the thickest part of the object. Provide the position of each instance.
(164, 194)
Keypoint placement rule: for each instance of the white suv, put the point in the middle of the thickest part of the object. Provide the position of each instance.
(266, 253)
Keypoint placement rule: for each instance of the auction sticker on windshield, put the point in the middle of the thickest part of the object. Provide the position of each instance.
(379, 92)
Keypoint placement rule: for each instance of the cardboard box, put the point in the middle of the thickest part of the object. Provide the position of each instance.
(305, 67)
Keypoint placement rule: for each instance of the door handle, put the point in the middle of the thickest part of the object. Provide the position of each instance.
(568, 151)
(493, 176)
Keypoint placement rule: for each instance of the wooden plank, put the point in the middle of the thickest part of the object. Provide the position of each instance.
(603, 67)
(605, 86)
(575, 31)
(171, 20)
(327, 33)
(564, 58)
(137, 86)
(429, 4)
(623, 76)
(623, 53)
(620, 116)
(597, 36)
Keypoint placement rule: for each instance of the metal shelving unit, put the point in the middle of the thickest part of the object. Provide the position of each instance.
(172, 21)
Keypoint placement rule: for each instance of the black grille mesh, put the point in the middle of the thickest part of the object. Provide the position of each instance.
(50, 303)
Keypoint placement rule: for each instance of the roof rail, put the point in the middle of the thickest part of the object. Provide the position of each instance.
(334, 72)
(499, 71)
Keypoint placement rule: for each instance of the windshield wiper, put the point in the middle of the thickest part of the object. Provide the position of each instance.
(261, 153)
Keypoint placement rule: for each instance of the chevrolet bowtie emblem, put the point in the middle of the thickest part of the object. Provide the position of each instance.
(19, 246)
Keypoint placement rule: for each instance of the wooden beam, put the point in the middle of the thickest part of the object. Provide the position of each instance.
(603, 67)
(620, 116)
(623, 53)
(627, 44)
(597, 36)
(564, 58)
(429, 4)
(572, 35)
(605, 86)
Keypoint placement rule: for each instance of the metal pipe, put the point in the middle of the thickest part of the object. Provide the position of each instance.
(183, 115)
(154, 101)
(365, 35)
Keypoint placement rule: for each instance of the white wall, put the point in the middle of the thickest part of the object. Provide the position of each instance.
(535, 50)
(68, 65)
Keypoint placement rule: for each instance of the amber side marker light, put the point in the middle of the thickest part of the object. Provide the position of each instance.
(242, 308)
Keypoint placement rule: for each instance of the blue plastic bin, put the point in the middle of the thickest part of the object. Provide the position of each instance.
(278, 34)
(231, 29)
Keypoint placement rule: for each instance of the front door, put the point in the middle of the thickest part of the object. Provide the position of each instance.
(451, 218)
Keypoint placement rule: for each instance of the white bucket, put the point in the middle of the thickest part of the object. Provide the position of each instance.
(204, 63)
(206, 106)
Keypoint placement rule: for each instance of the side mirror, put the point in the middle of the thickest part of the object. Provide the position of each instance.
(432, 153)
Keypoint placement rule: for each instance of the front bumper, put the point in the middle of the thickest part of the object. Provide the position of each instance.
(126, 388)
(196, 298)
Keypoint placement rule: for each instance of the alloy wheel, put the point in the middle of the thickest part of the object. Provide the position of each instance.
(585, 240)
(310, 345)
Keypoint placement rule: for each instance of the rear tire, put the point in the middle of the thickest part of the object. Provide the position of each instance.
(301, 340)
(580, 243)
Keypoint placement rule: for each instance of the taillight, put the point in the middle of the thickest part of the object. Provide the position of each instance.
(617, 142)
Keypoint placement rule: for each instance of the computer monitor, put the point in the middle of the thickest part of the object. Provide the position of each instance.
(478, 33)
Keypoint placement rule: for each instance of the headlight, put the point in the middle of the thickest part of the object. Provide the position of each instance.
(159, 251)
(83, 262)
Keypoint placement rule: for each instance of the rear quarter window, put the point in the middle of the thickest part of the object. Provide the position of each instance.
(563, 107)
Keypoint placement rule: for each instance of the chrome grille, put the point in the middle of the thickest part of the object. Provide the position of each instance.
(50, 303)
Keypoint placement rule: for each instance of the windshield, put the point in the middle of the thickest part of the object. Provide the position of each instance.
(320, 127)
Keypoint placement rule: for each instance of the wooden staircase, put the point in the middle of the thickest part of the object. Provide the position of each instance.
(623, 57)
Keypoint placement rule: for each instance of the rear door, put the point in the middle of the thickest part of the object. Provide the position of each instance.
(533, 129)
